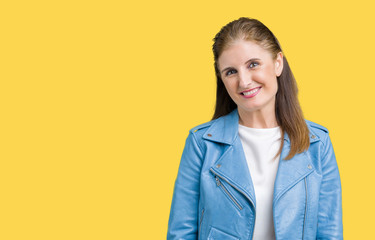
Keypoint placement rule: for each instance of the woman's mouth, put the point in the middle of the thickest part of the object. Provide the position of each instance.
(251, 93)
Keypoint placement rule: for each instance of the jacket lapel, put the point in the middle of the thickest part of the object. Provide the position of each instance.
(290, 171)
(232, 164)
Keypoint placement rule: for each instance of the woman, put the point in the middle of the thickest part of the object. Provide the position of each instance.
(258, 169)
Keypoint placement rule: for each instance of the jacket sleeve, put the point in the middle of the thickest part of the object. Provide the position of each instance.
(183, 219)
(330, 200)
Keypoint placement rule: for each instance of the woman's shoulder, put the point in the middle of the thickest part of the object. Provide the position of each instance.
(317, 130)
(316, 125)
(200, 129)
(197, 132)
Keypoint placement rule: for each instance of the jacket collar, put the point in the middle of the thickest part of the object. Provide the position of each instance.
(232, 164)
(225, 130)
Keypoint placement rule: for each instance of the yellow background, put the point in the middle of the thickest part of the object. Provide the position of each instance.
(97, 98)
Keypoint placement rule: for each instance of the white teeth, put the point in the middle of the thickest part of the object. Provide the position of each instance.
(250, 92)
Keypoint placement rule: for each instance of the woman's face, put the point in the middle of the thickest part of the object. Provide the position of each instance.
(249, 75)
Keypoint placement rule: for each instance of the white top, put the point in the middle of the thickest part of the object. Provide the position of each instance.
(260, 146)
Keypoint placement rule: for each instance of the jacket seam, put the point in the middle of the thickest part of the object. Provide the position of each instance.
(306, 202)
(200, 224)
(196, 141)
(325, 140)
(325, 147)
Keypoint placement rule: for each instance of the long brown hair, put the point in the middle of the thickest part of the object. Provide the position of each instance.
(288, 111)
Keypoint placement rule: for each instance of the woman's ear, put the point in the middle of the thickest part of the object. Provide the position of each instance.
(279, 64)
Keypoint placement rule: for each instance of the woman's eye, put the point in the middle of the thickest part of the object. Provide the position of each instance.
(251, 64)
(229, 72)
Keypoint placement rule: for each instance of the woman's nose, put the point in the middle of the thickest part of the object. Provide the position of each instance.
(244, 79)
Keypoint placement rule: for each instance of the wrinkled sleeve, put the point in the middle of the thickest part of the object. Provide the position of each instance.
(330, 198)
(183, 219)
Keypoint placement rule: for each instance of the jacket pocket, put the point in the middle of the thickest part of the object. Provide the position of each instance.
(228, 193)
(216, 234)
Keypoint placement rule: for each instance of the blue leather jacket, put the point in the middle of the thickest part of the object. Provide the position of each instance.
(214, 196)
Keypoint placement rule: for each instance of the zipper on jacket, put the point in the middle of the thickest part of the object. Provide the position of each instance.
(200, 224)
(217, 175)
(304, 218)
(218, 183)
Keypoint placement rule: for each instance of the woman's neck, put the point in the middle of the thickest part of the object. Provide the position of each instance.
(258, 119)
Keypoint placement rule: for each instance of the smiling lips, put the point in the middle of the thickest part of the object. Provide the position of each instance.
(251, 93)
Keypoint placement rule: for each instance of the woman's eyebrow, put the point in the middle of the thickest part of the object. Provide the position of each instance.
(251, 59)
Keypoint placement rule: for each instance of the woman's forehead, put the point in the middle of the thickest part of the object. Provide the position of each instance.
(241, 51)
